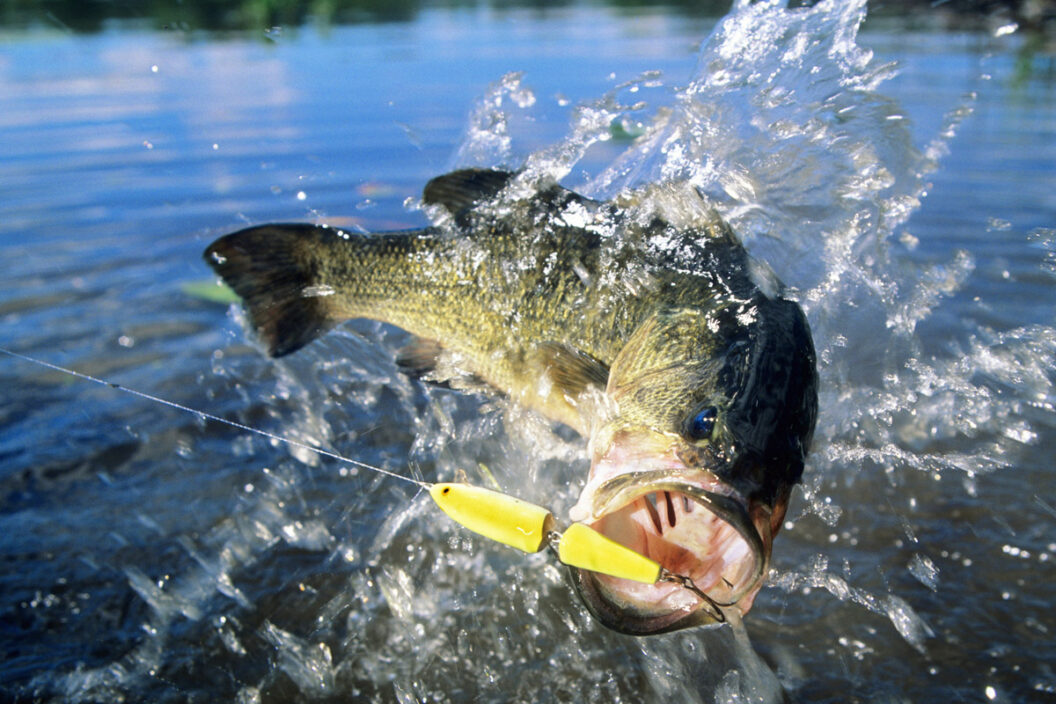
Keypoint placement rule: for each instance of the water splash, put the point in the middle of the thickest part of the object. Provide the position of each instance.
(488, 142)
(904, 618)
(784, 130)
(924, 569)
(309, 665)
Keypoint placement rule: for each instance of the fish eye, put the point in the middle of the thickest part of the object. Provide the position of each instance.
(700, 424)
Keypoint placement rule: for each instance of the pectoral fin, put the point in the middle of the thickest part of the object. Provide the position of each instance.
(572, 371)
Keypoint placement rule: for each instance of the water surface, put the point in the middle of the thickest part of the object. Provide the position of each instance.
(899, 182)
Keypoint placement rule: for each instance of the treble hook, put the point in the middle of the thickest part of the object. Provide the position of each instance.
(712, 606)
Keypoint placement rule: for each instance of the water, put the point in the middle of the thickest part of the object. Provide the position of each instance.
(900, 181)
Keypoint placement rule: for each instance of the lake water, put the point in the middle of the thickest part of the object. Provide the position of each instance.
(902, 182)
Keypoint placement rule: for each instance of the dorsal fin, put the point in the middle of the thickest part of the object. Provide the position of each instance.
(465, 188)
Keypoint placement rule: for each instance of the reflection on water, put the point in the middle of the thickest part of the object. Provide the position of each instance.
(152, 555)
(274, 17)
(271, 19)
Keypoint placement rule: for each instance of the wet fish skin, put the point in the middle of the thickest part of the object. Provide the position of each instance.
(603, 316)
(509, 324)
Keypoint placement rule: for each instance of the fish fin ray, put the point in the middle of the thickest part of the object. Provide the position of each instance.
(465, 188)
(268, 268)
(428, 361)
(573, 371)
(419, 357)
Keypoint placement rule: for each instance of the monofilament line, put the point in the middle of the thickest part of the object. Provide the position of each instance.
(210, 416)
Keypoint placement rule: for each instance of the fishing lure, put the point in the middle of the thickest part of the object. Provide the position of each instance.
(529, 528)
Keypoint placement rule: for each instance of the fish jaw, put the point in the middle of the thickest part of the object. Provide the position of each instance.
(686, 519)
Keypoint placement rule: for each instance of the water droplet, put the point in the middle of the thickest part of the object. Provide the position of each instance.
(1002, 31)
(998, 225)
(924, 570)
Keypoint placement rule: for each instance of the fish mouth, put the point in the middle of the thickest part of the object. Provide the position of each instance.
(695, 526)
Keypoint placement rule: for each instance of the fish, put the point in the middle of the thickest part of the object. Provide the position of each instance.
(643, 325)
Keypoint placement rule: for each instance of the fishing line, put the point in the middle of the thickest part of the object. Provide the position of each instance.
(503, 518)
(218, 419)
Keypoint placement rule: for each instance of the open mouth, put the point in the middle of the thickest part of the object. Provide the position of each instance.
(696, 527)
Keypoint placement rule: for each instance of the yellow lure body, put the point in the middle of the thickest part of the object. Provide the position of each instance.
(494, 515)
(525, 526)
(582, 546)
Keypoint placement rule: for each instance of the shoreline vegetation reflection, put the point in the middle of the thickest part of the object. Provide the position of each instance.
(266, 16)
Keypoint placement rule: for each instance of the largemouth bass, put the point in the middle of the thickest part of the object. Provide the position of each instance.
(656, 338)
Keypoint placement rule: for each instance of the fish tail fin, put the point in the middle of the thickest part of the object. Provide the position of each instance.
(278, 273)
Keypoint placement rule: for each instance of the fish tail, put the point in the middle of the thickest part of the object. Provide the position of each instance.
(281, 273)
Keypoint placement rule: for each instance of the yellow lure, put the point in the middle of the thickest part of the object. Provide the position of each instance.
(525, 526)
(503, 518)
(582, 546)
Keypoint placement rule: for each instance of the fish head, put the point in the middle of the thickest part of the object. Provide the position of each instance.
(711, 412)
